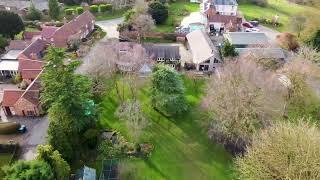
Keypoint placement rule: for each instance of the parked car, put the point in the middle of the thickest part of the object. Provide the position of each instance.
(22, 129)
(252, 30)
(254, 23)
(247, 25)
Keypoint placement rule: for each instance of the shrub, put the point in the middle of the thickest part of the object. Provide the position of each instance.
(105, 7)
(79, 10)
(91, 137)
(34, 13)
(69, 11)
(3, 42)
(94, 9)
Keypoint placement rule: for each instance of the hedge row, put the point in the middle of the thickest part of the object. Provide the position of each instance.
(93, 9)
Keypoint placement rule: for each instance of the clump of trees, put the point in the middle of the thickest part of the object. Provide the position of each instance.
(159, 11)
(33, 13)
(65, 95)
(12, 22)
(33, 170)
(167, 91)
(284, 151)
(60, 167)
(54, 9)
(288, 41)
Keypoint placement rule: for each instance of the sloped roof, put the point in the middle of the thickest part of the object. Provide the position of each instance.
(201, 46)
(11, 55)
(276, 53)
(225, 2)
(48, 31)
(225, 19)
(164, 51)
(246, 38)
(35, 47)
(10, 97)
(9, 65)
(30, 35)
(30, 64)
(30, 73)
(18, 45)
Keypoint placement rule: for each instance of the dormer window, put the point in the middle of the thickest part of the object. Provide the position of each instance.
(160, 59)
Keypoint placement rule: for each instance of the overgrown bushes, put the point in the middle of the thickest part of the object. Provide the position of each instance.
(94, 9)
(105, 7)
(79, 10)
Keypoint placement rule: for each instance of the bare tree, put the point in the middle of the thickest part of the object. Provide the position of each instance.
(142, 23)
(141, 6)
(131, 113)
(242, 99)
(284, 151)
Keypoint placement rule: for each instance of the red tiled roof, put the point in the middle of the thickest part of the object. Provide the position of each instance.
(30, 35)
(48, 31)
(30, 73)
(10, 97)
(73, 27)
(18, 45)
(29, 64)
(225, 19)
(35, 47)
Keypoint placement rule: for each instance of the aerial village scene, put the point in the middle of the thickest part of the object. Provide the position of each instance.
(160, 89)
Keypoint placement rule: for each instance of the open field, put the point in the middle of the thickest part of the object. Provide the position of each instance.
(182, 149)
(283, 8)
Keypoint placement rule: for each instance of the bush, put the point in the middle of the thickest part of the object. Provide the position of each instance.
(94, 9)
(3, 42)
(91, 137)
(34, 13)
(105, 7)
(171, 37)
(69, 11)
(9, 127)
(79, 10)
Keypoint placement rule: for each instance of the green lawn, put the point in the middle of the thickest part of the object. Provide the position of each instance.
(276, 7)
(177, 11)
(182, 149)
(4, 160)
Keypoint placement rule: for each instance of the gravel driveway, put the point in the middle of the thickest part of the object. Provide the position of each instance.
(110, 26)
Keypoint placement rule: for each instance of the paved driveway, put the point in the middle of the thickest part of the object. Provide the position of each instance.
(270, 33)
(110, 26)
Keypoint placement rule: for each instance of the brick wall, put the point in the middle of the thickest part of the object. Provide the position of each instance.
(24, 105)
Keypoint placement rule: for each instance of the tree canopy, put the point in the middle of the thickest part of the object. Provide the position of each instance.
(59, 166)
(54, 9)
(284, 151)
(158, 11)
(168, 92)
(33, 13)
(10, 23)
(65, 94)
(28, 170)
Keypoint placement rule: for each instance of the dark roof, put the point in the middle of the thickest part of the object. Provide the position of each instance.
(30, 73)
(162, 51)
(225, 2)
(35, 47)
(30, 64)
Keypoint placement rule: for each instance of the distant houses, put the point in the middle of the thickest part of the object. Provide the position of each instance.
(25, 58)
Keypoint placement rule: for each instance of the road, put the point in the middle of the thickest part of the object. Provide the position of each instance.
(110, 26)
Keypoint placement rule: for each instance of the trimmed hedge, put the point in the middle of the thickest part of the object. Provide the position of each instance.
(79, 10)
(105, 7)
(69, 11)
(94, 9)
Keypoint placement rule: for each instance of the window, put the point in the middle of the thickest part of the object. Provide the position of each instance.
(30, 113)
(216, 60)
(160, 59)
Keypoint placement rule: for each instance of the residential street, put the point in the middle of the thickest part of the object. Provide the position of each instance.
(110, 26)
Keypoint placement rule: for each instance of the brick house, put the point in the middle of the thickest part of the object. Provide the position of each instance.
(79, 27)
(23, 102)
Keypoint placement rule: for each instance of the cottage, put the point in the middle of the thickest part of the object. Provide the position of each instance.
(194, 21)
(245, 39)
(79, 28)
(225, 7)
(205, 55)
(166, 54)
(23, 102)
